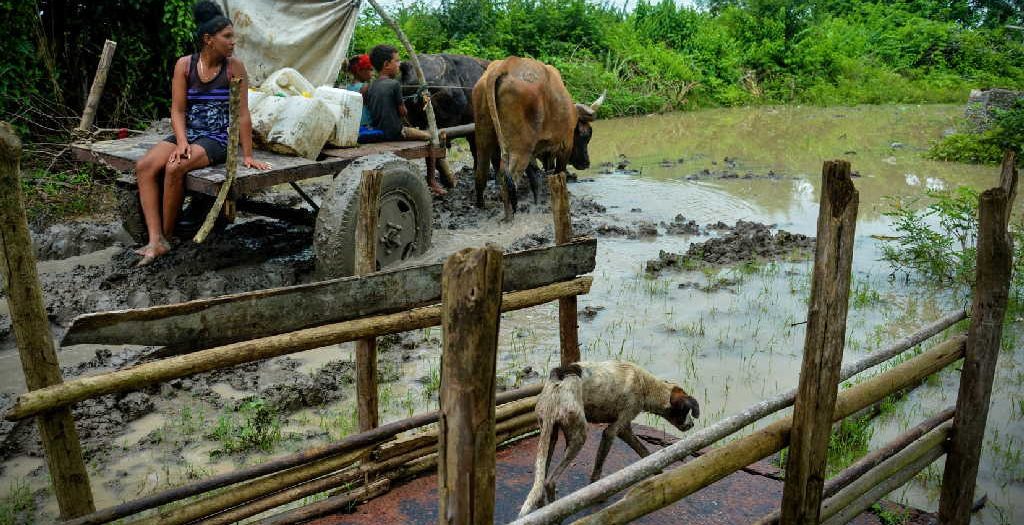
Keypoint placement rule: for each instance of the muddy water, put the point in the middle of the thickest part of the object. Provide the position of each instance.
(730, 347)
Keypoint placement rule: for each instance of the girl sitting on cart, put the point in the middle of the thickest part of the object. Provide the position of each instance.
(199, 116)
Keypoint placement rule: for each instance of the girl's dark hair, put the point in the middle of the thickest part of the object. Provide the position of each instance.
(209, 19)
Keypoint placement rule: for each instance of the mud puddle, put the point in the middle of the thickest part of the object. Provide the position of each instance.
(731, 333)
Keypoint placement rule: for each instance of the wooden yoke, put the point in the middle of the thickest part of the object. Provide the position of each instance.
(823, 346)
(471, 301)
(32, 333)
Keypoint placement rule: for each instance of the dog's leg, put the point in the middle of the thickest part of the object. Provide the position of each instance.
(627, 435)
(545, 449)
(575, 432)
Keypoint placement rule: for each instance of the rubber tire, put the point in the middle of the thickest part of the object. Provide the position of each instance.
(334, 237)
(129, 208)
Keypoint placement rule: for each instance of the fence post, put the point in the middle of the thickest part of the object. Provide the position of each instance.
(366, 262)
(32, 333)
(1008, 180)
(823, 346)
(568, 327)
(471, 301)
(991, 291)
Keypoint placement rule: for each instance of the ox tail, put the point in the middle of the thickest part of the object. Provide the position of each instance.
(492, 108)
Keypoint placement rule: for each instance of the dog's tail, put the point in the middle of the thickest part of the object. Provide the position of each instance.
(562, 391)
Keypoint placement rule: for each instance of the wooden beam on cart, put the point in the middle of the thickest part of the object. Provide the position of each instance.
(823, 346)
(32, 334)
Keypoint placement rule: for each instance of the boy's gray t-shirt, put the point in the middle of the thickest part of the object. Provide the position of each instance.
(382, 99)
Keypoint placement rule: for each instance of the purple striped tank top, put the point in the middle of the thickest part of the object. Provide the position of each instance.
(207, 113)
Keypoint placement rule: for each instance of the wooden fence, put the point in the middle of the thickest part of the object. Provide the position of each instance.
(808, 498)
(211, 334)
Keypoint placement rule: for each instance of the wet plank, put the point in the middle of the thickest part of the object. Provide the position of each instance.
(122, 154)
(204, 323)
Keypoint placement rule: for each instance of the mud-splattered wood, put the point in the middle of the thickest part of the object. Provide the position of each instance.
(568, 322)
(38, 401)
(366, 263)
(471, 300)
(823, 346)
(664, 489)
(374, 437)
(32, 334)
(988, 308)
(870, 461)
(1008, 175)
(205, 323)
(99, 82)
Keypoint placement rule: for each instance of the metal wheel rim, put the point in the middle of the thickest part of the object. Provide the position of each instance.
(396, 228)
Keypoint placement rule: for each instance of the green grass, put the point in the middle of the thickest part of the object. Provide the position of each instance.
(255, 426)
(18, 506)
(51, 196)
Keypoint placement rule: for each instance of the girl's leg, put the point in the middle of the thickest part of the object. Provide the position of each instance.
(147, 172)
(174, 185)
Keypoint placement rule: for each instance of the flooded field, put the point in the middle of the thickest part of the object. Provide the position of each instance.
(731, 334)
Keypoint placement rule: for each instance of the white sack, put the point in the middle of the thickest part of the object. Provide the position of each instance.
(347, 107)
(311, 37)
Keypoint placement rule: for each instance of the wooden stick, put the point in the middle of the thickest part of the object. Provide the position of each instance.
(366, 263)
(664, 489)
(870, 461)
(231, 163)
(568, 327)
(991, 291)
(658, 461)
(32, 334)
(1008, 180)
(507, 400)
(471, 297)
(98, 83)
(842, 499)
(35, 402)
(885, 486)
(823, 346)
(331, 504)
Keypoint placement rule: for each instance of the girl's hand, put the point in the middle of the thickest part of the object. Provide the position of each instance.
(180, 152)
(249, 162)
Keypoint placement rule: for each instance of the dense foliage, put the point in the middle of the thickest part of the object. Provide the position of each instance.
(656, 57)
(1006, 132)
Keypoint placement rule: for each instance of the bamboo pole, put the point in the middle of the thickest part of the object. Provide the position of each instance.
(70, 392)
(664, 489)
(568, 327)
(615, 482)
(823, 346)
(885, 470)
(885, 486)
(366, 263)
(32, 334)
(98, 83)
(509, 407)
(870, 461)
(231, 163)
(991, 292)
(471, 298)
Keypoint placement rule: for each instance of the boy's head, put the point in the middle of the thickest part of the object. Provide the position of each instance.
(360, 68)
(385, 60)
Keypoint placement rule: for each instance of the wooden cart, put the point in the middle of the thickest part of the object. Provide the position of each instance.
(405, 215)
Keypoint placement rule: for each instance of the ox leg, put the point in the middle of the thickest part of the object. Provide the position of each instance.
(533, 174)
(507, 186)
(481, 163)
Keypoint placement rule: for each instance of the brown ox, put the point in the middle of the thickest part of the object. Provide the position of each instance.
(523, 111)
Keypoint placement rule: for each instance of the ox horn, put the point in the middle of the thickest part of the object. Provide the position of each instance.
(597, 103)
(589, 113)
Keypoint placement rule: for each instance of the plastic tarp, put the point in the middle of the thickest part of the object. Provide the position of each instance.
(309, 36)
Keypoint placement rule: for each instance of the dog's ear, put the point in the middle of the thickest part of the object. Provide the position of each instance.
(682, 401)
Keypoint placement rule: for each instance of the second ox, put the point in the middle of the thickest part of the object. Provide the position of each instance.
(523, 112)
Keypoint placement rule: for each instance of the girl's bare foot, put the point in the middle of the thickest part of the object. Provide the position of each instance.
(150, 252)
(142, 249)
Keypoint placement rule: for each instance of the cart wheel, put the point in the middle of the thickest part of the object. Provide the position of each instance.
(404, 217)
(129, 208)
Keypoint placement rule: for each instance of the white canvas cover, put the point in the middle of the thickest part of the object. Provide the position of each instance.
(310, 36)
